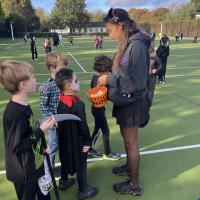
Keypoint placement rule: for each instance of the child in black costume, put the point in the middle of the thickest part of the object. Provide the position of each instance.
(20, 136)
(73, 136)
(163, 53)
(102, 65)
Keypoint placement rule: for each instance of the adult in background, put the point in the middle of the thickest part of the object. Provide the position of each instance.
(25, 39)
(60, 38)
(71, 40)
(55, 40)
(127, 89)
(34, 49)
(181, 35)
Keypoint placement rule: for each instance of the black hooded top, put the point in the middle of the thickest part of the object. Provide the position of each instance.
(133, 73)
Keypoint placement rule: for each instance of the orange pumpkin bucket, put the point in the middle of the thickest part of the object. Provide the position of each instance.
(98, 96)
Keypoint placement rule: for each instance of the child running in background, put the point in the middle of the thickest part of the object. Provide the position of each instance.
(102, 65)
(73, 136)
(19, 137)
(155, 67)
(49, 99)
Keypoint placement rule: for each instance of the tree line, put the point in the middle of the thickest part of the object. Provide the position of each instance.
(73, 13)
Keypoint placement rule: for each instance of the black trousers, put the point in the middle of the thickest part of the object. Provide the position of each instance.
(81, 174)
(28, 191)
(101, 124)
(34, 55)
(151, 87)
(161, 74)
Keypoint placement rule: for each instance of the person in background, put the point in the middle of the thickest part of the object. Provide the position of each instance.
(34, 49)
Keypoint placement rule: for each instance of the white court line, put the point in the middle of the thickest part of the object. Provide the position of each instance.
(77, 62)
(14, 45)
(141, 153)
(184, 55)
(157, 100)
(197, 67)
(181, 75)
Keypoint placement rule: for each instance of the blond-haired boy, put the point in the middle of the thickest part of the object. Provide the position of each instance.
(17, 78)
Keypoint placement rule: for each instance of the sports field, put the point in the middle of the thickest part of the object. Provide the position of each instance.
(175, 122)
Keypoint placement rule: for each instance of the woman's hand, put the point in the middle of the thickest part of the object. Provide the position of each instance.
(85, 149)
(102, 80)
(154, 71)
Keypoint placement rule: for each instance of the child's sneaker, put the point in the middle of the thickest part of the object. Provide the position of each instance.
(128, 188)
(93, 152)
(64, 184)
(90, 192)
(121, 171)
(111, 156)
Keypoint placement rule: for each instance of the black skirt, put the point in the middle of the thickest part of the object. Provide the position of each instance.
(135, 114)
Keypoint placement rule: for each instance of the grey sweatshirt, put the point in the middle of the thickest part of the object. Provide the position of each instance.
(132, 76)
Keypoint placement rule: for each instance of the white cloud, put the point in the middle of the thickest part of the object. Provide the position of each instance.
(142, 3)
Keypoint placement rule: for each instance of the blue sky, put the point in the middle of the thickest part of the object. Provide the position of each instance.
(104, 5)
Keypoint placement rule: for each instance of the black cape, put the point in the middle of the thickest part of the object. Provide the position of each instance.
(72, 136)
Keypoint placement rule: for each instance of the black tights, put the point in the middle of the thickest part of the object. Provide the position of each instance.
(129, 135)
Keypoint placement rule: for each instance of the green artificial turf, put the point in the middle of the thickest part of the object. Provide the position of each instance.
(175, 117)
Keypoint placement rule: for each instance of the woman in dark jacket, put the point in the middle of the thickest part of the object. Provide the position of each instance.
(128, 90)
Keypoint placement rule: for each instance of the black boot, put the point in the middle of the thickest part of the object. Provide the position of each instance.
(128, 188)
(64, 184)
(121, 171)
(90, 192)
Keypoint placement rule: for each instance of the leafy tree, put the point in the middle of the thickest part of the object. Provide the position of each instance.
(43, 18)
(70, 12)
(196, 4)
(96, 16)
(22, 8)
(18, 21)
(9, 6)
(1, 14)
(187, 11)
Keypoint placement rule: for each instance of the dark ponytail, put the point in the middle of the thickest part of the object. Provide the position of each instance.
(116, 16)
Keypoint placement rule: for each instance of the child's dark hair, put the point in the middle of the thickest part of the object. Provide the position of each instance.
(119, 15)
(63, 76)
(102, 63)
